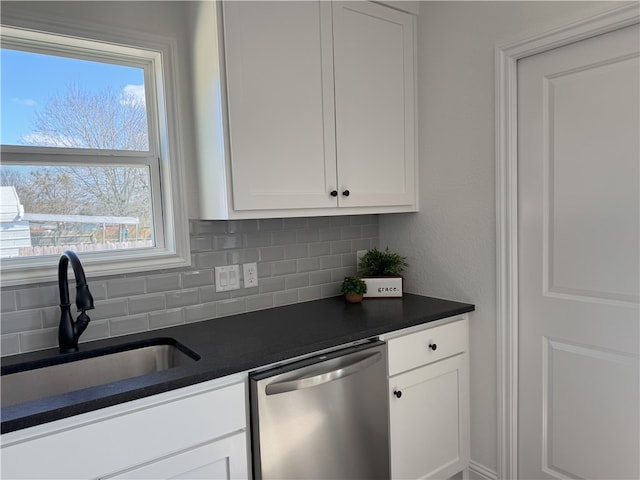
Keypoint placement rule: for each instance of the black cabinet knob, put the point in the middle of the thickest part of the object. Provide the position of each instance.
(397, 393)
(433, 346)
(334, 193)
(346, 193)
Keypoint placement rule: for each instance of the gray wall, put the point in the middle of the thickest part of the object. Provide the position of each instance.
(450, 243)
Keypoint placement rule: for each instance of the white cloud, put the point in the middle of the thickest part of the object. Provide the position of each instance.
(27, 102)
(133, 94)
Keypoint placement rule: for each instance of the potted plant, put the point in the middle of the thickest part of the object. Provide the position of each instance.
(382, 271)
(353, 289)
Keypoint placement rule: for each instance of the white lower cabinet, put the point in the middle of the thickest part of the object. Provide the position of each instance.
(193, 432)
(429, 402)
(224, 458)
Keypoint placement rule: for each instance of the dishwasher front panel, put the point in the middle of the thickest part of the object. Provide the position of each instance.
(323, 418)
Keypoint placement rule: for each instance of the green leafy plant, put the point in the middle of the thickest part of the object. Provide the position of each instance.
(382, 263)
(353, 285)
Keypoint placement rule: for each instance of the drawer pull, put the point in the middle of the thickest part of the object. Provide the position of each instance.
(397, 393)
(433, 346)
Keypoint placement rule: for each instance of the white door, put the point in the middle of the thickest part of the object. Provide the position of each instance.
(578, 247)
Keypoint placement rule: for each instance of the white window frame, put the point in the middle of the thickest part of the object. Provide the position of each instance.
(155, 54)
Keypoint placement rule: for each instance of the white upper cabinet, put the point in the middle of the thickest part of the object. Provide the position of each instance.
(374, 107)
(311, 113)
(280, 94)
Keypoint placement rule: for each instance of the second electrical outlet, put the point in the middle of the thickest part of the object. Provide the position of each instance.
(250, 272)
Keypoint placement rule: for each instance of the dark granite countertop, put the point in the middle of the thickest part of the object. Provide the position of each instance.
(234, 344)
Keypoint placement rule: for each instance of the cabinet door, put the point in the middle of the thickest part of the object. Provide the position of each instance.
(374, 91)
(280, 103)
(429, 421)
(222, 459)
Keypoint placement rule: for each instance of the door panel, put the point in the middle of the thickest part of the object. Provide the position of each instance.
(579, 242)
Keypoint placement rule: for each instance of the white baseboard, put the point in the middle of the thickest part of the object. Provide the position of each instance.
(480, 472)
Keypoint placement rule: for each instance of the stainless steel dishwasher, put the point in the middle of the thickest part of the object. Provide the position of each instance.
(325, 417)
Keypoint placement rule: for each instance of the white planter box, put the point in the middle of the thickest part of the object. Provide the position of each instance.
(383, 286)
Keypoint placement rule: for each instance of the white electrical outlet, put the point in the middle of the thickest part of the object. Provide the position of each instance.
(250, 271)
(359, 255)
(227, 278)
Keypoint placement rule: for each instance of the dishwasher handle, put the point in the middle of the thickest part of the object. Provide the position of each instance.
(324, 377)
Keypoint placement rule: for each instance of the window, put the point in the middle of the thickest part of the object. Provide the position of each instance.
(87, 144)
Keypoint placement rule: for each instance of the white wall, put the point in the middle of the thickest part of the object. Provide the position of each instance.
(450, 243)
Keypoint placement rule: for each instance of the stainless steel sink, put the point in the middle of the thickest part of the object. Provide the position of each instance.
(88, 369)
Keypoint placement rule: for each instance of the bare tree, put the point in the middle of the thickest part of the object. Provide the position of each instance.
(104, 120)
(77, 118)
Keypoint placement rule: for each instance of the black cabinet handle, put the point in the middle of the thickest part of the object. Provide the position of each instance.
(334, 193)
(433, 346)
(346, 193)
(397, 393)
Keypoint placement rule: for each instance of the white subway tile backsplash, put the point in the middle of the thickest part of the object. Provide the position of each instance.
(354, 231)
(330, 261)
(226, 242)
(38, 339)
(39, 297)
(127, 325)
(96, 330)
(258, 239)
(125, 287)
(299, 259)
(320, 277)
(310, 293)
(319, 249)
(268, 285)
(285, 267)
(23, 321)
(181, 298)
(8, 301)
(296, 251)
(165, 319)
(296, 281)
(308, 264)
(230, 307)
(308, 235)
(197, 278)
(270, 224)
(330, 234)
(260, 302)
(246, 255)
(342, 246)
(147, 303)
(199, 312)
(286, 297)
(163, 283)
(271, 254)
(210, 260)
(51, 316)
(284, 237)
(108, 309)
(201, 244)
(10, 344)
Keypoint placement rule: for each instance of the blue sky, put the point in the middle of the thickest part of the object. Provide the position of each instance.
(27, 80)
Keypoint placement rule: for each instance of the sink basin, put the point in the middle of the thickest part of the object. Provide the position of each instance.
(67, 373)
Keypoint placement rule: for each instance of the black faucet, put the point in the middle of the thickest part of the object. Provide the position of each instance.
(69, 331)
